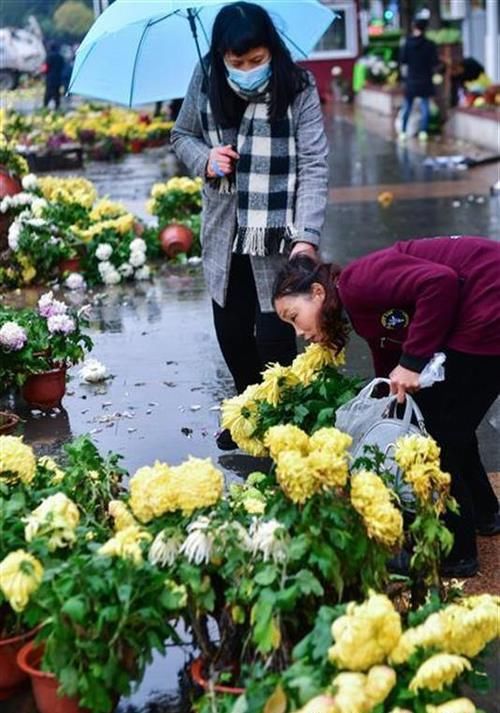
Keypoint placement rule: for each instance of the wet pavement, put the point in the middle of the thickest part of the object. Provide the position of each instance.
(157, 340)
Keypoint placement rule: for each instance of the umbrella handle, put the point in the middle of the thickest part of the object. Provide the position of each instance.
(194, 31)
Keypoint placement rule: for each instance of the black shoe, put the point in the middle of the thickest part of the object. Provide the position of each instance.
(224, 441)
(490, 527)
(459, 569)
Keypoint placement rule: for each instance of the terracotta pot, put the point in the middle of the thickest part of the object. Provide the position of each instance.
(137, 145)
(8, 423)
(45, 684)
(138, 228)
(11, 676)
(176, 238)
(9, 186)
(71, 264)
(45, 390)
(198, 676)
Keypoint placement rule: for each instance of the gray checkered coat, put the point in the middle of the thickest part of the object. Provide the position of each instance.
(192, 146)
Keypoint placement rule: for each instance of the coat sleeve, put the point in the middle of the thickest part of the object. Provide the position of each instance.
(312, 167)
(187, 136)
(392, 279)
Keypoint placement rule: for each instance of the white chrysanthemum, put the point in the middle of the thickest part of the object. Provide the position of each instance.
(126, 270)
(13, 337)
(75, 281)
(198, 545)
(104, 267)
(14, 234)
(112, 277)
(138, 245)
(38, 206)
(164, 550)
(137, 259)
(268, 538)
(143, 273)
(61, 324)
(50, 307)
(93, 371)
(104, 252)
(29, 182)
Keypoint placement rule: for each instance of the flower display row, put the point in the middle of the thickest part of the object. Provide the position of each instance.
(56, 220)
(106, 573)
(104, 132)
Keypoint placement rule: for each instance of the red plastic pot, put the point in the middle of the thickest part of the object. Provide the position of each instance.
(176, 238)
(137, 145)
(71, 264)
(11, 676)
(45, 390)
(45, 684)
(198, 676)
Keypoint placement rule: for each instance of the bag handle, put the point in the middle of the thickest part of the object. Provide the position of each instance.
(368, 389)
(411, 409)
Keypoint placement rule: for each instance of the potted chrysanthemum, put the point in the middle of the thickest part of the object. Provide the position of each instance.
(177, 205)
(12, 168)
(38, 345)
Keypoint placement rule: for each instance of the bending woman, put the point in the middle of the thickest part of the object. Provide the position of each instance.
(255, 133)
(408, 302)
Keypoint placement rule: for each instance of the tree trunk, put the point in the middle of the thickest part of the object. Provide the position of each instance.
(435, 18)
(407, 9)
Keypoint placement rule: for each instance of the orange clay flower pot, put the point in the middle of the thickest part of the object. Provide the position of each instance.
(175, 239)
(11, 676)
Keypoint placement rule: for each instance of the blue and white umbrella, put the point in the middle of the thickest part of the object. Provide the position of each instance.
(142, 51)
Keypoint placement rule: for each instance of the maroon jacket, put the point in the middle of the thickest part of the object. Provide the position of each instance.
(419, 297)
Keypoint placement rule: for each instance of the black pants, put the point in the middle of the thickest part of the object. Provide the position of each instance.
(52, 92)
(453, 410)
(249, 339)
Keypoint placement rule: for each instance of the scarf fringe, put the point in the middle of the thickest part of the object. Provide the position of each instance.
(262, 242)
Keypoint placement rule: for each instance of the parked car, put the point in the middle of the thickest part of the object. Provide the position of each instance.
(21, 52)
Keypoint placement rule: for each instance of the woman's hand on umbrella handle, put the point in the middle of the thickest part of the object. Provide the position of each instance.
(221, 161)
(404, 381)
(301, 246)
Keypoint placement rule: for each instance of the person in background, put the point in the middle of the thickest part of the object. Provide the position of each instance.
(251, 125)
(419, 56)
(53, 76)
(408, 302)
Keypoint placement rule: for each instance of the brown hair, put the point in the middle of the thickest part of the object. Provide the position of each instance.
(297, 278)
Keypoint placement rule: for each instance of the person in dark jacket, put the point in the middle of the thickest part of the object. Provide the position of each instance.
(408, 302)
(421, 59)
(54, 76)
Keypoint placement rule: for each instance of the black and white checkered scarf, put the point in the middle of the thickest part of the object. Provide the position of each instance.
(265, 177)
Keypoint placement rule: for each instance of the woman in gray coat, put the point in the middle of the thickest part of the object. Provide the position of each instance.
(251, 126)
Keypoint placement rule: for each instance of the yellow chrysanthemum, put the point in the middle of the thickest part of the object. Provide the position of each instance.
(366, 634)
(350, 694)
(68, 190)
(197, 484)
(254, 506)
(470, 629)
(151, 492)
(380, 681)
(239, 416)
(51, 465)
(457, 705)
(126, 544)
(330, 440)
(56, 518)
(295, 476)
(17, 460)
(307, 365)
(415, 449)
(373, 501)
(20, 576)
(274, 379)
(438, 671)
(105, 208)
(431, 633)
(121, 515)
(329, 458)
(286, 438)
(320, 704)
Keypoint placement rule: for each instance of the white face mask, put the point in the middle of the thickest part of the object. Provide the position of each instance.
(250, 79)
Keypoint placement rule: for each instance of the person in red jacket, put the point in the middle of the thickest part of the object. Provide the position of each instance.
(408, 302)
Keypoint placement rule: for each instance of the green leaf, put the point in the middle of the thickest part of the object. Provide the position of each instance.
(75, 608)
(266, 576)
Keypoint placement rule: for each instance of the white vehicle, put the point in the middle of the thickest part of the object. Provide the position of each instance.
(21, 51)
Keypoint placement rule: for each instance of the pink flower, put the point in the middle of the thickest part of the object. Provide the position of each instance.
(49, 307)
(61, 323)
(12, 336)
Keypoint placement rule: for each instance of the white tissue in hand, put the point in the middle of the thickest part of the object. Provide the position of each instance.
(433, 370)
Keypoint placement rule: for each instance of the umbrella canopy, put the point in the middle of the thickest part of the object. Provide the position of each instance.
(142, 51)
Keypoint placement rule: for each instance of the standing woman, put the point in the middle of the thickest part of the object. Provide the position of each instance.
(410, 301)
(254, 131)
